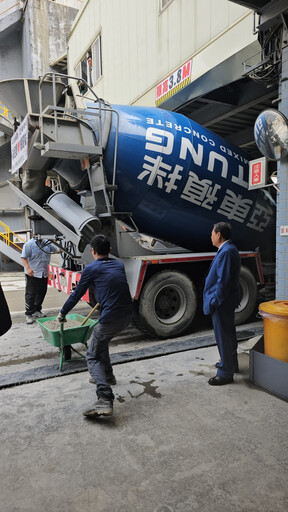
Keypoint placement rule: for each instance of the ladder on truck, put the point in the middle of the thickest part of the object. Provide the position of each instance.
(61, 125)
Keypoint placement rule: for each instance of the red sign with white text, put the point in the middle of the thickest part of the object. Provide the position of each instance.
(256, 173)
(173, 83)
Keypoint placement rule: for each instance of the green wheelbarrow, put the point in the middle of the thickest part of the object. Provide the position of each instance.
(65, 338)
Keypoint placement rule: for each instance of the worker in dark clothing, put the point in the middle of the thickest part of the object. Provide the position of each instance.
(107, 275)
(220, 299)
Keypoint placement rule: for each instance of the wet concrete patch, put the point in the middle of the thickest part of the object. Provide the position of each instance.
(18, 360)
(149, 389)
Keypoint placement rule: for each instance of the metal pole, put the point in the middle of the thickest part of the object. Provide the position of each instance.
(282, 199)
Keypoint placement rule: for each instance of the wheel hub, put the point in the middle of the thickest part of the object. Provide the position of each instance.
(170, 304)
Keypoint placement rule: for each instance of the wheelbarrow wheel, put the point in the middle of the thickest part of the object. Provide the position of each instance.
(67, 352)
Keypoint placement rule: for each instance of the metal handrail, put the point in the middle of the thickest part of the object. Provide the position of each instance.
(53, 75)
(115, 148)
(6, 236)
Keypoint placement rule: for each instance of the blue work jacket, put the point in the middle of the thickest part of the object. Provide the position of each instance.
(222, 282)
(108, 278)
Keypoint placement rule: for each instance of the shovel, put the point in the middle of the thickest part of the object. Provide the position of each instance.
(91, 313)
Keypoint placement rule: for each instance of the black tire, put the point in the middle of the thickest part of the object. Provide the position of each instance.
(167, 304)
(67, 353)
(248, 296)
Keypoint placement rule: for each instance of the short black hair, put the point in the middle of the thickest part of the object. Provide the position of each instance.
(224, 228)
(100, 244)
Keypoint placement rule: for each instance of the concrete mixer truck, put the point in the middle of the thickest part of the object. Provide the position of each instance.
(154, 181)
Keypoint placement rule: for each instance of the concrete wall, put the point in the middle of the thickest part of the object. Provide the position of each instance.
(10, 50)
(46, 25)
(77, 4)
(140, 45)
(33, 38)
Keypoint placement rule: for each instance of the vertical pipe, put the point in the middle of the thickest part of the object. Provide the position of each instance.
(55, 104)
(282, 202)
(40, 112)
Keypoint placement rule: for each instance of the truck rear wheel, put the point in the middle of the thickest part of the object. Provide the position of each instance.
(248, 296)
(167, 304)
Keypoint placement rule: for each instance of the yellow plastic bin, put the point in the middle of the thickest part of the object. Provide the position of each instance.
(275, 318)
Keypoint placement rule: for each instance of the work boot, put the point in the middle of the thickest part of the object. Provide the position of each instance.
(111, 379)
(39, 314)
(103, 407)
(29, 319)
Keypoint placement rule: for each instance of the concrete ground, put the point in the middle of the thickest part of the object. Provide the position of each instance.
(175, 444)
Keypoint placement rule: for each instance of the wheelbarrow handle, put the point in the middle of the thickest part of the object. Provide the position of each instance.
(91, 313)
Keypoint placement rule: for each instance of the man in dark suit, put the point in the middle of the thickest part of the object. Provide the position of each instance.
(220, 299)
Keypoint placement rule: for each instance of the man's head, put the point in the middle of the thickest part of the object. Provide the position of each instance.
(100, 246)
(220, 233)
(89, 60)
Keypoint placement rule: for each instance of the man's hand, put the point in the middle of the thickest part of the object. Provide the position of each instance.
(61, 318)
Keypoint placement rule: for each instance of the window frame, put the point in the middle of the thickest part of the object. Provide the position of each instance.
(95, 51)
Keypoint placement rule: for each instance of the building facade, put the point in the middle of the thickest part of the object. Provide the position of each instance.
(144, 42)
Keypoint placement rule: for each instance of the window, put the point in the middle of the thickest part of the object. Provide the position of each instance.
(90, 67)
(96, 52)
(164, 4)
(82, 68)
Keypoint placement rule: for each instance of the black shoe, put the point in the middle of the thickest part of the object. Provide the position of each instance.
(217, 365)
(219, 381)
(110, 380)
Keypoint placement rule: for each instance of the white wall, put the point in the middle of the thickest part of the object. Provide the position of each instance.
(140, 46)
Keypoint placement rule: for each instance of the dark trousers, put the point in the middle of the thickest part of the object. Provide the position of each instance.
(225, 335)
(36, 288)
(97, 356)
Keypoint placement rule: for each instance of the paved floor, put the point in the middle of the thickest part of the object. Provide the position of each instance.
(175, 444)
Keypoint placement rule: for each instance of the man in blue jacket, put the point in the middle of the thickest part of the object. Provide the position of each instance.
(220, 299)
(107, 276)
